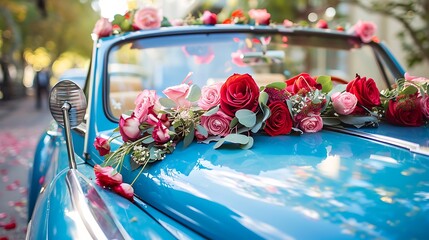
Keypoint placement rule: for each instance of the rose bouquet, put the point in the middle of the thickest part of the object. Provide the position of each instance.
(227, 113)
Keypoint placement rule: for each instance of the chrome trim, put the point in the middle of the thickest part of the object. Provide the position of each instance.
(410, 146)
(81, 129)
(70, 149)
(93, 211)
(90, 95)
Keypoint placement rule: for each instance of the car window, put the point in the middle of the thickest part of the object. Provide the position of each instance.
(157, 63)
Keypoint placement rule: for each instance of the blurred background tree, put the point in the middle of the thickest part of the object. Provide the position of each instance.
(413, 15)
(34, 35)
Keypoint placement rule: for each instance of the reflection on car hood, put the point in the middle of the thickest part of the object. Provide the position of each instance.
(324, 185)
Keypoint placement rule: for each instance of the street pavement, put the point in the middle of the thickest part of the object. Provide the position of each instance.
(20, 127)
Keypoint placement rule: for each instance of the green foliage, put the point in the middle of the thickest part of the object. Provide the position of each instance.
(326, 83)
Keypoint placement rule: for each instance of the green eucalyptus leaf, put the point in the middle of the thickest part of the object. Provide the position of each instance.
(202, 130)
(326, 83)
(331, 121)
(219, 143)
(409, 90)
(165, 22)
(233, 122)
(237, 138)
(263, 98)
(194, 93)
(189, 137)
(289, 106)
(148, 140)
(211, 111)
(337, 88)
(277, 85)
(246, 117)
(358, 121)
(167, 103)
(133, 165)
(247, 145)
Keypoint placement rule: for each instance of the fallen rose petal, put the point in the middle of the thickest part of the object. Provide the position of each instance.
(42, 180)
(3, 215)
(10, 226)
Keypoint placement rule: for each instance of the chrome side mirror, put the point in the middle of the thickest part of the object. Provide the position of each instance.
(67, 104)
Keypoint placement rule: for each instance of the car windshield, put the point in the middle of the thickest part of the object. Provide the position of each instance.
(160, 62)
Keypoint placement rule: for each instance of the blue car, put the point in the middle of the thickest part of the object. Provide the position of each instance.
(340, 182)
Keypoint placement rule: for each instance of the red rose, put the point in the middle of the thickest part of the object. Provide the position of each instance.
(405, 112)
(302, 82)
(366, 93)
(280, 121)
(239, 92)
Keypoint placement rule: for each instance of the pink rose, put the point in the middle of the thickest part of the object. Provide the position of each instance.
(287, 23)
(103, 28)
(216, 124)
(147, 18)
(425, 106)
(144, 101)
(344, 103)
(160, 133)
(125, 190)
(102, 146)
(365, 30)
(261, 16)
(311, 123)
(178, 94)
(415, 79)
(107, 176)
(210, 96)
(129, 128)
(209, 18)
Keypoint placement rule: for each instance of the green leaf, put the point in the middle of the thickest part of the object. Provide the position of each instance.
(118, 19)
(165, 22)
(263, 98)
(326, 83)
(247, 145)
(134, 165)
(202, 130)
(219, 143)
(331, 121)
(211, 111)
(246, 117)
(236, 138)
(358, 121)
(167, 103)
(277, 85)
(148, 140)
(233, 122)
(409, 90)
(337, 88)
(194, 93)
(189, 137)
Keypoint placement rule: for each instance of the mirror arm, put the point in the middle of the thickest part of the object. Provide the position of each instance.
(70, 150)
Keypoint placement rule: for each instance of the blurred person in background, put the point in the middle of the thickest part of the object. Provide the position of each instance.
(41, 84)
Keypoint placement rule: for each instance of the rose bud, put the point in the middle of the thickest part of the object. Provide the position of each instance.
(102, 145)
(103, 28)
(129, 128)
(125, 190)
(107, 176)
(209, 18)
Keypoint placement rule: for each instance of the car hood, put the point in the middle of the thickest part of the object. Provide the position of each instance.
(322, 185)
